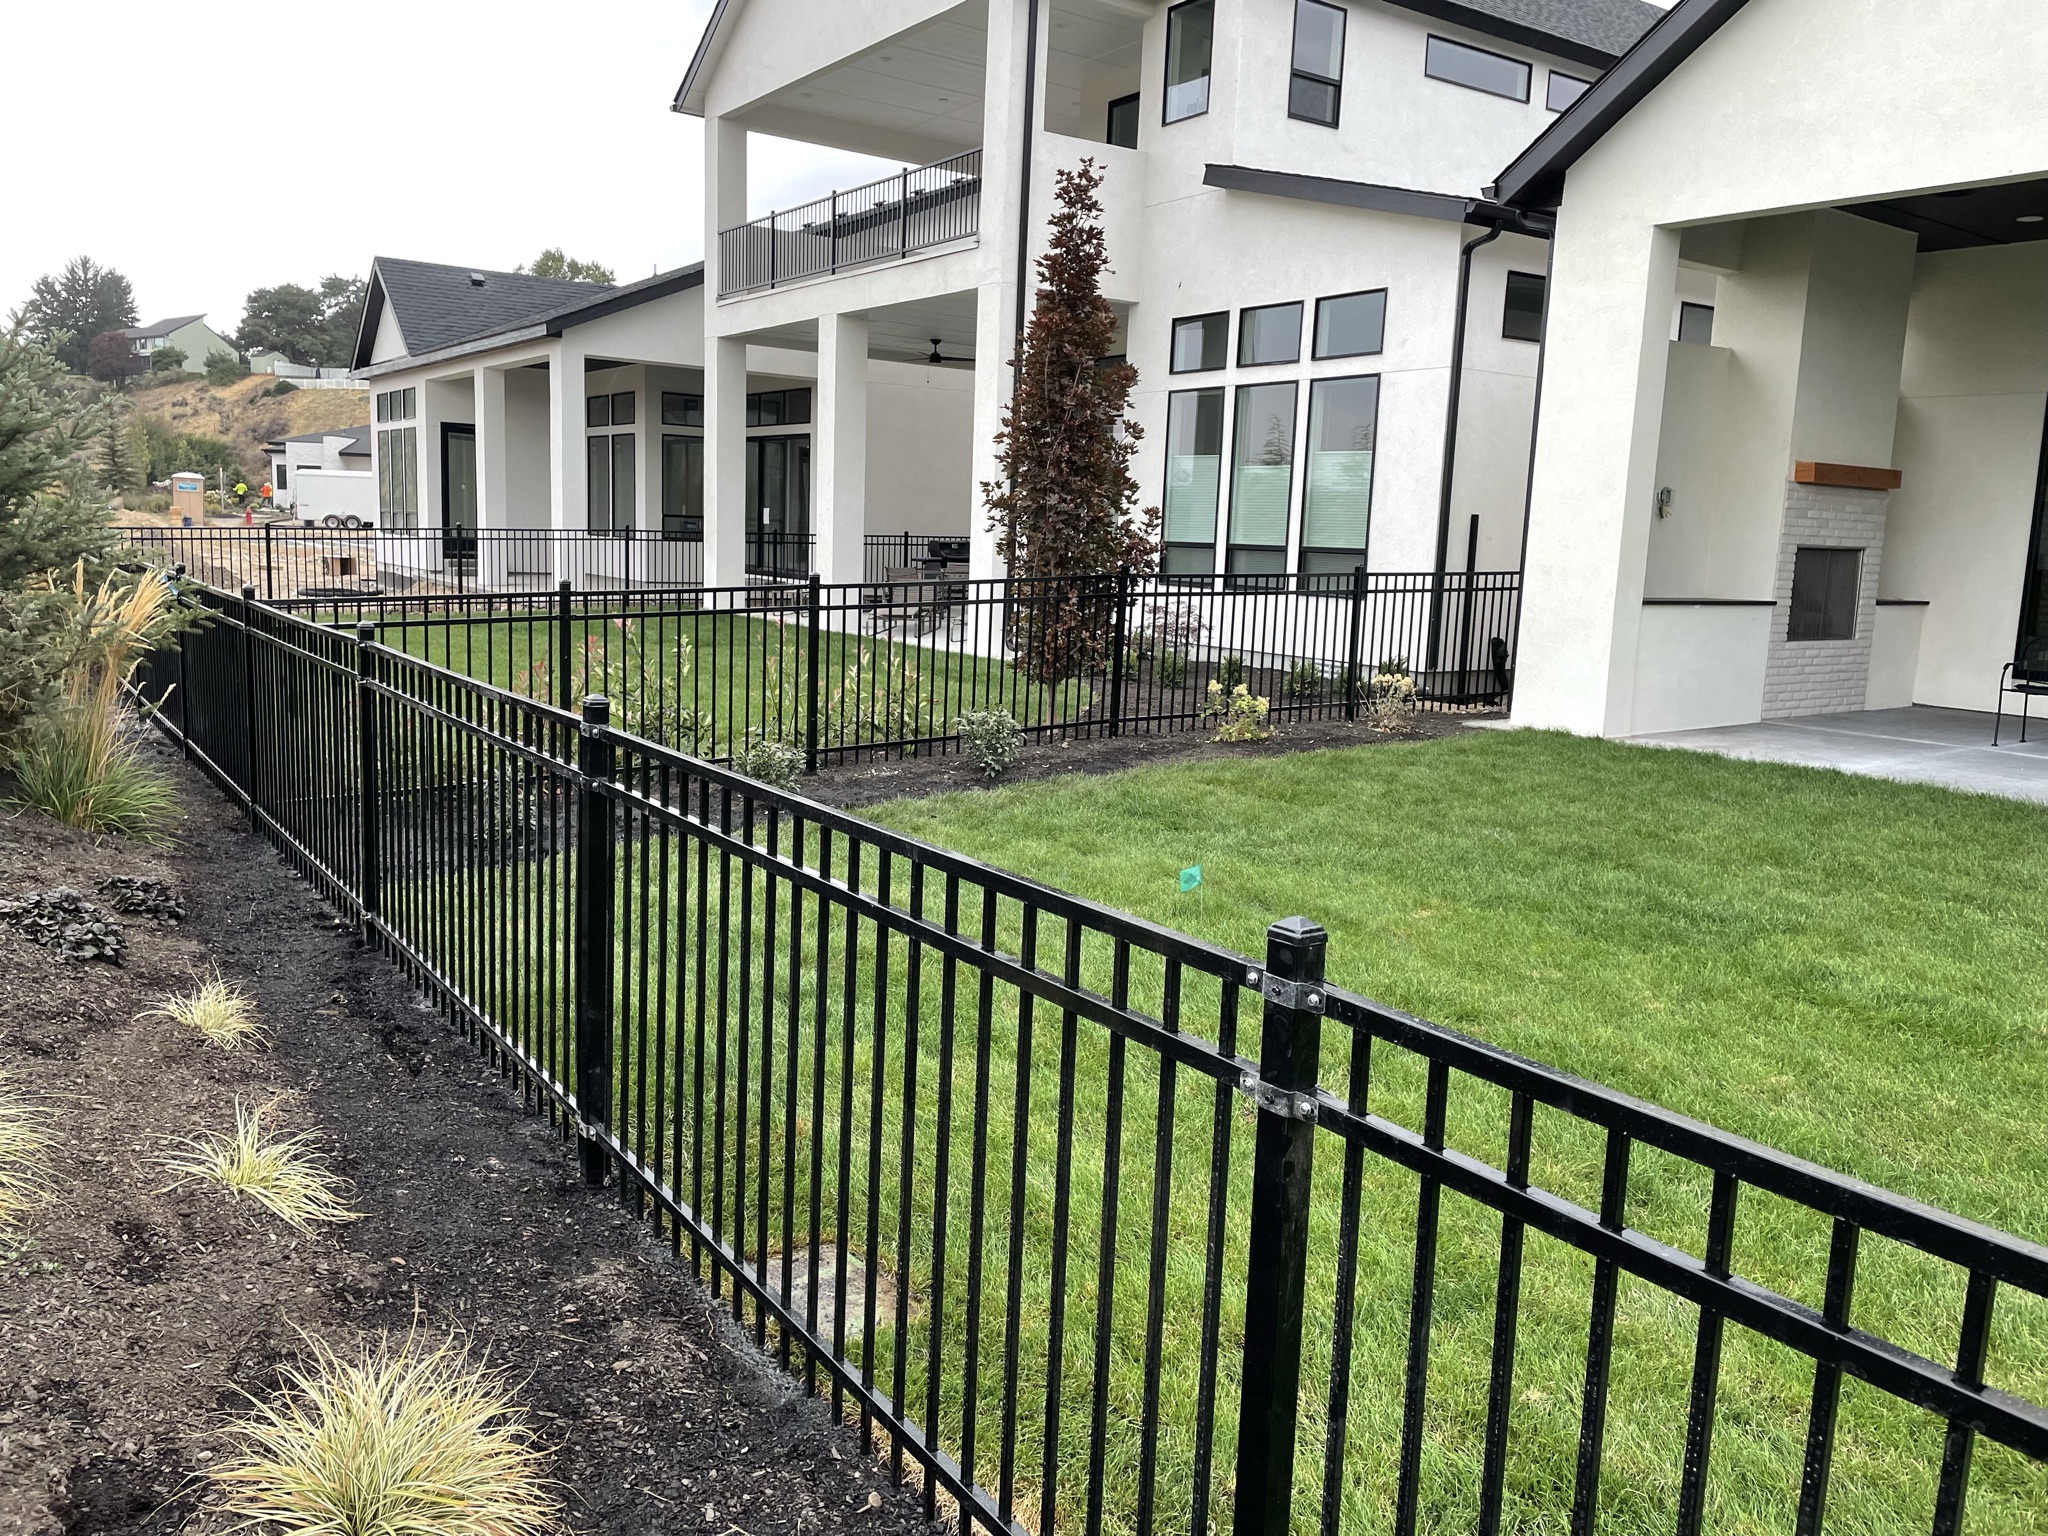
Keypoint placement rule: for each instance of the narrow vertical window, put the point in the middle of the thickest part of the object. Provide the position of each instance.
(1194, 481)
(1522, 315)
(1696, 323)
(625, 483)
(1262, 479)
(598, 517)
(1315, 90)
(682, 488)
(1122, 128)
(1336, 497)
(1190, 39)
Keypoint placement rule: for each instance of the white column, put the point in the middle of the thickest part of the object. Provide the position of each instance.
(725, 192)
(994, 340)
(726, 513)
(568, 489)
(1593, 483)
(839, 448)
(493, 481)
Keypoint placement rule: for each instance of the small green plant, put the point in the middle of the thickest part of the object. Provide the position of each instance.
(225, 367)
(401, 1440)
(283, 1174)
(25, 1139)
(1237, 715)
(1229, 672)
(222, 1012)
(1304, 680)
(1169, 669)
(775, 763)
(991, 738)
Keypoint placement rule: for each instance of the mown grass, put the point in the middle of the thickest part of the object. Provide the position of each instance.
(1844, 968)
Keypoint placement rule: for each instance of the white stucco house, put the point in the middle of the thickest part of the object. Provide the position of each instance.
(1826, 495)
(1336, 334)
(529, 430)
(190, 334)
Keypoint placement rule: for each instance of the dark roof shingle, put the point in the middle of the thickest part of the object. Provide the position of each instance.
(161, 328)
(439, 305)
(1594, 31)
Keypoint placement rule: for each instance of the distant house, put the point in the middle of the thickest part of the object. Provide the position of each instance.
(190, 334)
(324, 476)
(269, 360)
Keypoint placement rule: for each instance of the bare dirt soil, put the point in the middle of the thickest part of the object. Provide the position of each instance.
(133, 1315)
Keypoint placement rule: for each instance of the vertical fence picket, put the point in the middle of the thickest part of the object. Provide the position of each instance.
(596, 842)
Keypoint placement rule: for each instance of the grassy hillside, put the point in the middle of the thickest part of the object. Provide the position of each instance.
(242, 414)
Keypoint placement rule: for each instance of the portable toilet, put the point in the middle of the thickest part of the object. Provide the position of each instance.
(188, 495)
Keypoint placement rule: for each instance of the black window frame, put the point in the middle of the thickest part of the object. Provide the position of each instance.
(1174, 14)
(1839, 602)
(597, 411)
(1245, 567)
(1315, 338)
(1688, 307)
(1173, 342)
(686, 411)
(1244, 330)
(1550, 90)
(1305, 553)
(632, 408)
(1170, 550)
(1528, 70)
(1335, 84)
(682, 526)
(1508, 310)
(1131, 102)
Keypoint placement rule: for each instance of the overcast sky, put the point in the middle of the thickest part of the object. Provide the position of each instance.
(208, 147)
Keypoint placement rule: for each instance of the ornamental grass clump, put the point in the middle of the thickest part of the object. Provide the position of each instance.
(220, 1011)
(403, 1440)
(283, 1174)
(25, 1140)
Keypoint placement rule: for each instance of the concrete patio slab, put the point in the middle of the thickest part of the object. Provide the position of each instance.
(1919, 745)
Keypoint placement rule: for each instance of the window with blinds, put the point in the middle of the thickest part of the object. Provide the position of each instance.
(1336, 508)
(1194, 481)
(1262, 478)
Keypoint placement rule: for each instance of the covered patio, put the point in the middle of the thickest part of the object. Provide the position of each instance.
(1920, 744)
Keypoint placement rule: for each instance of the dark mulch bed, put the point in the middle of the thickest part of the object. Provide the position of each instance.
(130, 1315)
(870, 783)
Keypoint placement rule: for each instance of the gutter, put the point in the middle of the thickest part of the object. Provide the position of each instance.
(1024, 185)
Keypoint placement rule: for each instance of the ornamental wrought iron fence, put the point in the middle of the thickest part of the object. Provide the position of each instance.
(1088, 1224)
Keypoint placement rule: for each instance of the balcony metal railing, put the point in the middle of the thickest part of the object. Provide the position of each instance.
(913, 210)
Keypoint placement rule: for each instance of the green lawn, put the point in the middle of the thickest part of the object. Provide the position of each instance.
(1854, 971)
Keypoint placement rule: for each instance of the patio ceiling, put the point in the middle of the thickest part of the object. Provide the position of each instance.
(2010, 213)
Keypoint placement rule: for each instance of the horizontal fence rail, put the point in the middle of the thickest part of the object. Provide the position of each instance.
(1087, 1224)
(916, 209)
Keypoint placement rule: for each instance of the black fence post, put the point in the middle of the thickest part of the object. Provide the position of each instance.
(184, 691)
(595, 850)
(1277, 1255)
(811, 681)
(1119, 638)
(269, 580)
(368, 879)
(562, 645)
(249, 703)
(1355, 649)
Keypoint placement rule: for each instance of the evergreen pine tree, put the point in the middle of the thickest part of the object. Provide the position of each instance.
(1064, 517)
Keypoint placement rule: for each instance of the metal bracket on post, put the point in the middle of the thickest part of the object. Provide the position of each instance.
(1276, 1271)
(596, 849)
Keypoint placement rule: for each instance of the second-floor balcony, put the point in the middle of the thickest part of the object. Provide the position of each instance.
(917, 209)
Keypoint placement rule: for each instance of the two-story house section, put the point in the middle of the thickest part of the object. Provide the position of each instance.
(1294, 223)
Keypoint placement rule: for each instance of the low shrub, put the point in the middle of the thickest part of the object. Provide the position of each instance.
(282, 1174)
(1390, 700)
(1229, 672)
(1304, 680)
(991, 738)
(282, 387)
(221, 1012)
(775, 763)
(25, 1139)
(403, 1440)
(1237, 715)
(1169, 669)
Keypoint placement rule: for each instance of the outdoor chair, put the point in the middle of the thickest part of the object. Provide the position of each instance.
(907, 600)
(2027, 676)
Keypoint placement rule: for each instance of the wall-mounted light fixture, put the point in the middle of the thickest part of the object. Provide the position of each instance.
(1664, 501)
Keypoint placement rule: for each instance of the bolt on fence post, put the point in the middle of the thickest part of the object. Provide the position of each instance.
(1119, 637)
(1277, 1255)
(562, 645)
(811, 683)
(249, 702)
(1355, 650)
(367, 851)
(595, 850)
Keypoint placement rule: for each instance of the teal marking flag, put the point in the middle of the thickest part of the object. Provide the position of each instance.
(1190, 877)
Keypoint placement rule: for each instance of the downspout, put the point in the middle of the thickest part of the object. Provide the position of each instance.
(1529, 484)
(1024, 181)
(1443, 511)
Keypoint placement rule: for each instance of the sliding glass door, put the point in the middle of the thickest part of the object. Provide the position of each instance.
(779, 494)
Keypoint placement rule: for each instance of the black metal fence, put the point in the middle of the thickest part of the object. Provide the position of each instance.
(1088, 1224)
(844, 672)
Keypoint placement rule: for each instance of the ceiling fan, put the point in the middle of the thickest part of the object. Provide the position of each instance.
(938, 359)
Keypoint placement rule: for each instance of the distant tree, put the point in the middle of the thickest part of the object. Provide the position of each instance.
(111, 359)
(167, 451)
(225, 367)
(552, 263)
(66, 310)
(118, 464)
(316, 327)
(167, 359)
(1066, 506)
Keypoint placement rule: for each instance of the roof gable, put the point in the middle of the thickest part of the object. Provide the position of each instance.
(437, 305)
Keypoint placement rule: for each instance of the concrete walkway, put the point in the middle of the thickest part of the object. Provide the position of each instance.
(1921, 745)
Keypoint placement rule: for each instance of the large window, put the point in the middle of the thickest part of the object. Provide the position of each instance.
(398, 477)
(1522, 314)
(1475, 68)
(1190, 38)
(1122, 128)
(1316, 88)
(1270, 333)
(682, 488)
(1262, 478)
(1351, 324)
(1824, 585)
(1194, 478)
(1201, 343)
(1336, 495)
